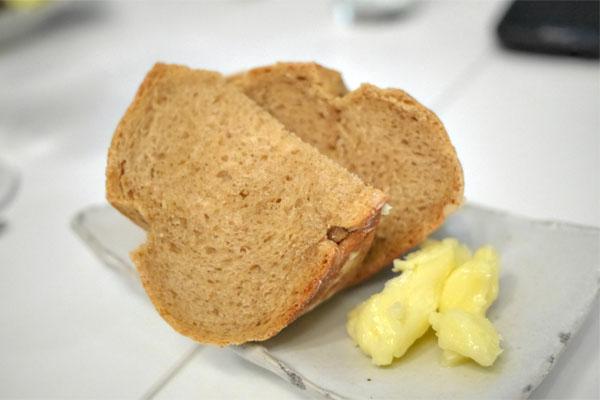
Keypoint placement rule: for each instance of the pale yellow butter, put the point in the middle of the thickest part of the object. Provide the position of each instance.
(462, 329)
(465, 334)
(388, 323)
(442, 276)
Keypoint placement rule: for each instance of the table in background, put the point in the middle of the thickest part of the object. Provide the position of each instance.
(526, 128)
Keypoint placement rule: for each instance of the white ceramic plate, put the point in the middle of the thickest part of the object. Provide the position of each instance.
(549, 279)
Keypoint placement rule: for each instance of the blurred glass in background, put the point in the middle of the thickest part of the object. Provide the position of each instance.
(359, 11)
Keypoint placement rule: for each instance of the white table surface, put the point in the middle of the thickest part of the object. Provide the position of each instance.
(526, 128)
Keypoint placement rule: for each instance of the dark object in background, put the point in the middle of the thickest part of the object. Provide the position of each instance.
(554, 27)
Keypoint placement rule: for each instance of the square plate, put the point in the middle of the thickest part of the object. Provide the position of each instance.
(548, 281)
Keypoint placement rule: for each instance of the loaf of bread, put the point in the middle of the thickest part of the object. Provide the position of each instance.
(247, 226)
(383, 135)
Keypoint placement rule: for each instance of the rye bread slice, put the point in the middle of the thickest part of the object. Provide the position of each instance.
(247, 226)
(384, 136)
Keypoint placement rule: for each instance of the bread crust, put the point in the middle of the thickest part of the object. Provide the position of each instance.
(346, 264)
(454, 187)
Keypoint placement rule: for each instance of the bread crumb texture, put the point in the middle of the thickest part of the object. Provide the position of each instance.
(384, 136)
(247, 226)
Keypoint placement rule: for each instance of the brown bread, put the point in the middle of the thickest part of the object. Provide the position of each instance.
(383, 135)
(247, 226)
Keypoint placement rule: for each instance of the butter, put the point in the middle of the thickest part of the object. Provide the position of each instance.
(462, 329)
(388, 323)
(466, 334)
(442, 285)
(473, 286)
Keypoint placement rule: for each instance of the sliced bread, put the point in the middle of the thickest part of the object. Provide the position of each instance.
(383, 135)
(247, 226)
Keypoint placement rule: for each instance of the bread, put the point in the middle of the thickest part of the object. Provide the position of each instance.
(383, 135)
(247, 226)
